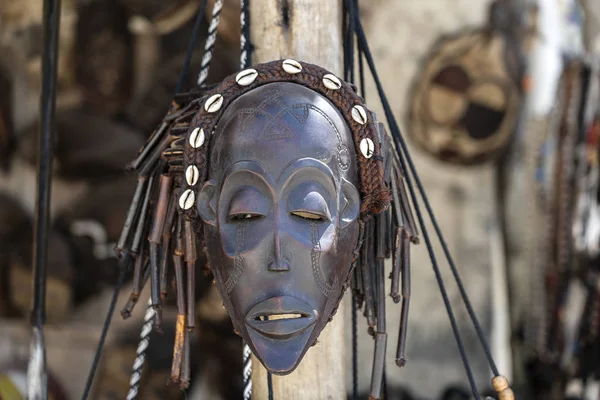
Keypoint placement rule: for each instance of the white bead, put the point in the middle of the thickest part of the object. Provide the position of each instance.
(331, 82)
(187, 199)
(246, 77)
(191, 175)
(214, 103)
(197, 138)
(359, 114)
(367, 148)
(291, 66)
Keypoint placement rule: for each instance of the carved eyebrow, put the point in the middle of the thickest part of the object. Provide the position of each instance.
(247, 166)
(293, 168)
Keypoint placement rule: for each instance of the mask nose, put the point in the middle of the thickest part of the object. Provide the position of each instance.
(279, 264)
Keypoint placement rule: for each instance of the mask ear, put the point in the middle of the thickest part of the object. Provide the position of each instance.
(207, 203)
(349, 204)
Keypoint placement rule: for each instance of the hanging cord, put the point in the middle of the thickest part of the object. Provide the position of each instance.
(399, 141)
(126, 263)
(270, 385)
(399, 138)
(247, 372)
(245, 46)
(191, 46)
(111, 310)
(140, 358)
(37, 376)
(150, 314)
(210, 42)
(349, 43)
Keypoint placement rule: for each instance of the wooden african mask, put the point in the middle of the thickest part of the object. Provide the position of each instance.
(275, 175)
(280, 213)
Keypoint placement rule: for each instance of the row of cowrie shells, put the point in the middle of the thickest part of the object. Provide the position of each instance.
(245, 78)
(196, 140)
(330, 81)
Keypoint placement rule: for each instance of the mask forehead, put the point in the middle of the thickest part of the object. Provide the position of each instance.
(279, 123)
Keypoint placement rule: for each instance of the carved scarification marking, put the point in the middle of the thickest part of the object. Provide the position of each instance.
(274, 129)
(343, 157)
(273, 95)
(240, 241)
(315, 258)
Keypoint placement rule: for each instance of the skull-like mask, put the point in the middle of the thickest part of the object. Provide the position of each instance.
(280, 211)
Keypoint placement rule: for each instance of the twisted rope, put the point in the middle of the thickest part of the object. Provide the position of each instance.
(140, 358)
(210, 42)
(247, 362)
(245, 35)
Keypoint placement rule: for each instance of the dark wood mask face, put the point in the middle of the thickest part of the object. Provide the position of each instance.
(280, 213)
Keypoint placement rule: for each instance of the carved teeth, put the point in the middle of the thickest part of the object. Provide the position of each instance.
(359, 114)
(246, 77)
(197, 138)
(187, 199)
(191, 175)
(291, 66)
(332, 82)
(214, 103)
(367, 148)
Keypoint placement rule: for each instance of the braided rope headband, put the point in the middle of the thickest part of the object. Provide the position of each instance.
(375, 195)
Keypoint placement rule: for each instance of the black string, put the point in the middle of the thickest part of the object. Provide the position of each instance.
(111, 310)
(44, 174)
(270, 385)
(361, 69)
(349, 45)
(399, 141)
(191, 46)
(349, 35)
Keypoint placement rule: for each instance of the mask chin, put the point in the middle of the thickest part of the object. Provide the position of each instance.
(280, 357)
(280, 330)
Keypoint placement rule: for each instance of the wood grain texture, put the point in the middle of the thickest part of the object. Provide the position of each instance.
(310, 31)
(307, 30)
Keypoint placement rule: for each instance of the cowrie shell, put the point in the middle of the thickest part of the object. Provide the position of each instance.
(331, 82)
(359, 114)
(214, 103)
(291, 66)
(191, 175)
(367, 148)
(197, 138)
(187, 199)
(246, 77)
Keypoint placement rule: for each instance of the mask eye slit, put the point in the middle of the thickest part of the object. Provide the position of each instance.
(244, 217)
(310, 215)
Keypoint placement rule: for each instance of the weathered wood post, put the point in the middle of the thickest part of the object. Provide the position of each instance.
(311, 31)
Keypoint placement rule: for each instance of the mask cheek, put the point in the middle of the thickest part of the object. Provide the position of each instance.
(241, 237)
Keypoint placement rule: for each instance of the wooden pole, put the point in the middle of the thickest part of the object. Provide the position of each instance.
(311, 31)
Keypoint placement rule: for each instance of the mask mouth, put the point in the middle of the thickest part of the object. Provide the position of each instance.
(281, 317)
